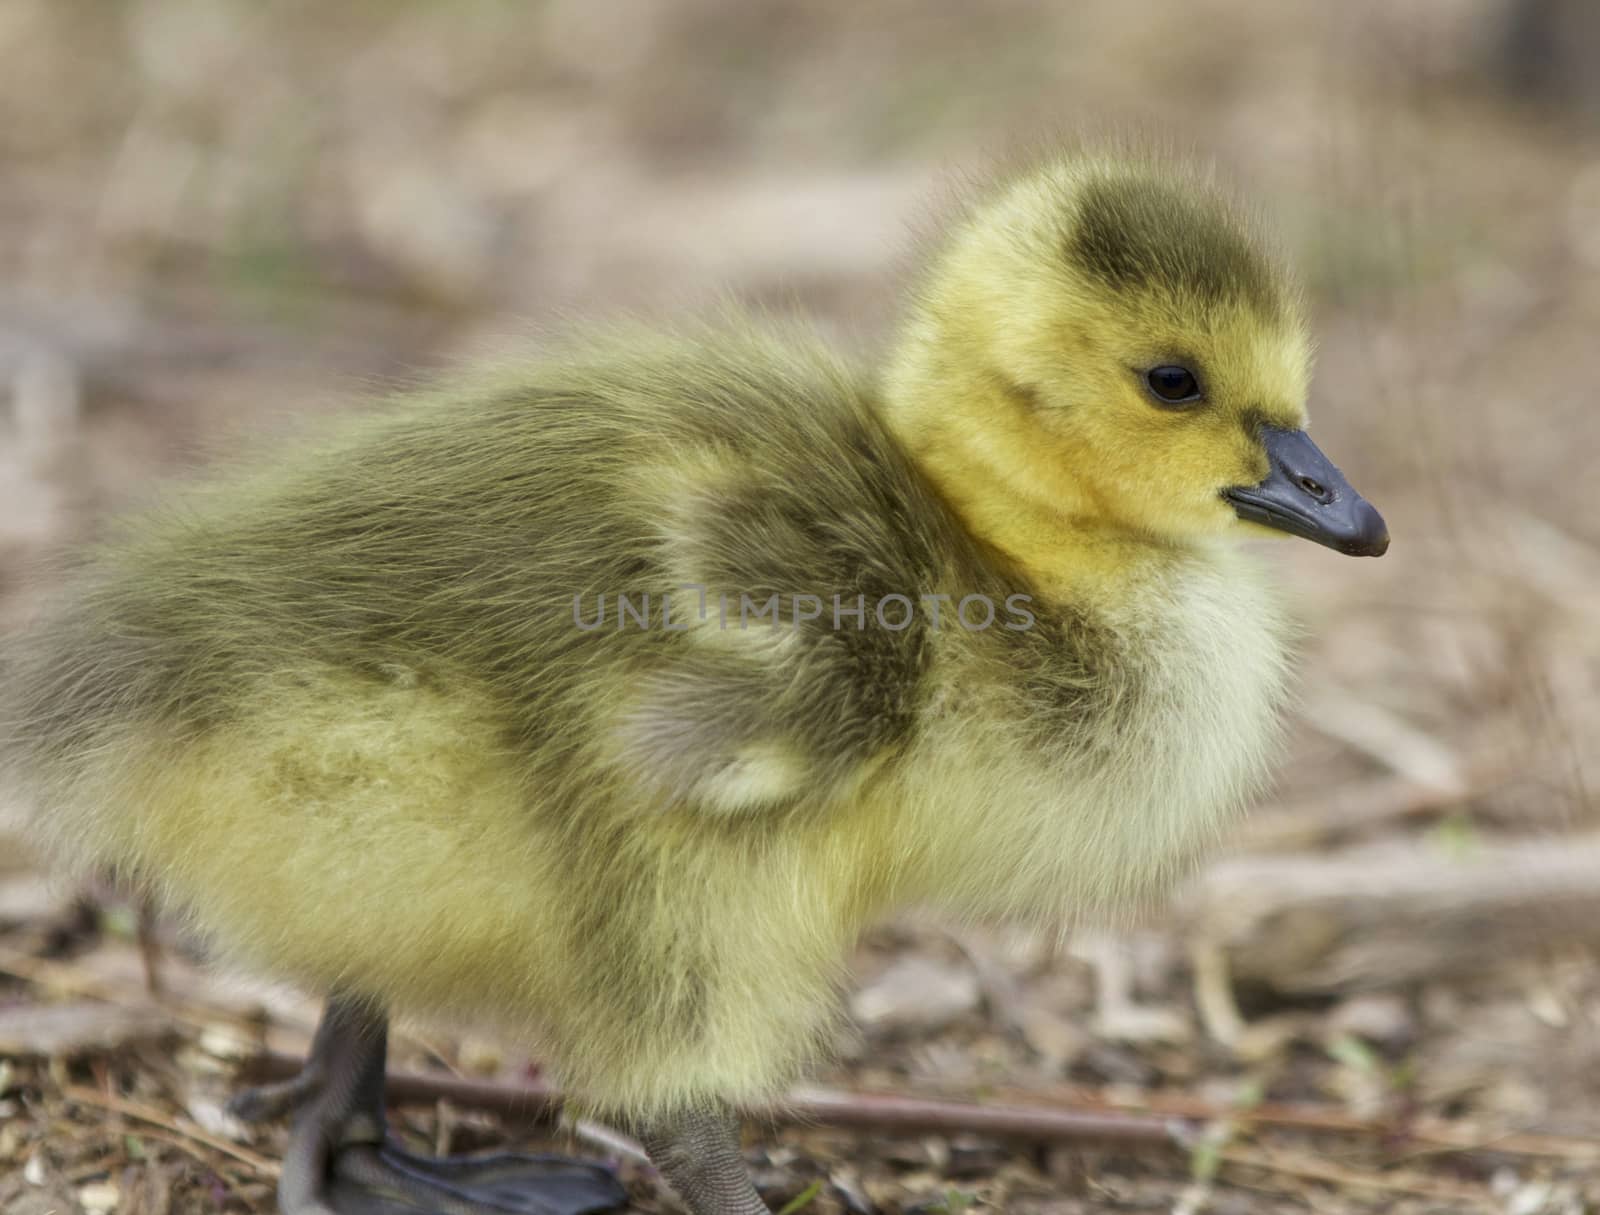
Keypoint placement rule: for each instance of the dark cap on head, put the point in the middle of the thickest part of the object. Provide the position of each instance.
(1136, 231)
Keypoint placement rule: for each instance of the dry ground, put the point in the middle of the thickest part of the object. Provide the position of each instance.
(1386, 999)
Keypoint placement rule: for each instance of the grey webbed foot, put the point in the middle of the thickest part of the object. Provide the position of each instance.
(339, 1162)
(387, 1180)
(268, 1101)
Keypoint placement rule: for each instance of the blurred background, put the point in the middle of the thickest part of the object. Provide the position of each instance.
(1384, 997)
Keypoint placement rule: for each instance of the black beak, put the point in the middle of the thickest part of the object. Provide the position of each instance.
(1305, 495)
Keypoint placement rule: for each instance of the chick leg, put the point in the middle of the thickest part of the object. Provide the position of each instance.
(338, 1161)
(699, 1154)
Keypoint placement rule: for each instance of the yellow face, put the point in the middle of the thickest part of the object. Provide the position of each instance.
(1141, 415)
(1106, 349)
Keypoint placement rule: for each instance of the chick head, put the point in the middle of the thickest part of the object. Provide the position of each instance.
(1113, 343)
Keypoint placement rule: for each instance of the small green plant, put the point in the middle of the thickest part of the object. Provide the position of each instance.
(1457, 836)
(1205, 1153)
(1356, 1055)
(801, 1200)
(1359, 1056)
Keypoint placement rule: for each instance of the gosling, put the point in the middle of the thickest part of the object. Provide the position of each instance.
(606, 697)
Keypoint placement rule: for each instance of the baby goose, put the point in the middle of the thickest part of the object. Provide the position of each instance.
(606, 698)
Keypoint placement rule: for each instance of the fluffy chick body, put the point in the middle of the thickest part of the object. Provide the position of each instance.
(348, 711)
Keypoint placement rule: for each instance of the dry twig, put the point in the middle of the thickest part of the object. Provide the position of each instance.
(184, 1130)
(1160, 1119)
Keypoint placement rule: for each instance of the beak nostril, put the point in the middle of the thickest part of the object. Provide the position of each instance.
(1315, 488)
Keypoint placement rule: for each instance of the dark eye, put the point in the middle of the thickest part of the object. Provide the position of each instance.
(1174, 385)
